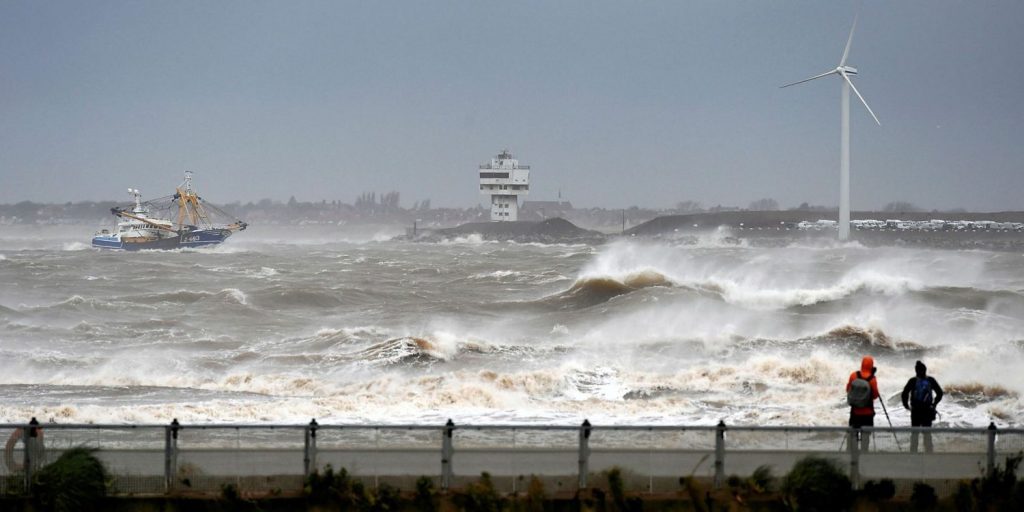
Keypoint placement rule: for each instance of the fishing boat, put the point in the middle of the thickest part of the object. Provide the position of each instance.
(148, 224)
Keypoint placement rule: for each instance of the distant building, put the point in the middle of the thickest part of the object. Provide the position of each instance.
(504, 180)
(532, 210)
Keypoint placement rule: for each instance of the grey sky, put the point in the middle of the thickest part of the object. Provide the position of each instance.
(616, 103)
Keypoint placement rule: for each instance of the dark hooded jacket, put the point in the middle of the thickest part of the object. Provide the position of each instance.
(908, 390)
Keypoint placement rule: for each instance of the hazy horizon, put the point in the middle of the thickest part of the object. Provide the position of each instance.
(612, 104)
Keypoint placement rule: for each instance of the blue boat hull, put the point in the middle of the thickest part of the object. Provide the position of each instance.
(195, 238)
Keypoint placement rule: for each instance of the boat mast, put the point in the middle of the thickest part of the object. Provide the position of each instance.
(188, 203)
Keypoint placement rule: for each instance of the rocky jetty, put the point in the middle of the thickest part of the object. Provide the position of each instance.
(550, 231)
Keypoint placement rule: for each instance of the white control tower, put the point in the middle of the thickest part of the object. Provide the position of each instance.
(504, 180)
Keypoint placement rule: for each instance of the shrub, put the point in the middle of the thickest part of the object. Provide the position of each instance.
(695, 491)
(963, 498)
(881, 490)
(481, 495)
(424, 499)
(358, 498)
(999, 488)
(535, 494)
(617, 487)
(386, 498)
(734, 482)
(634, 504)
(762, 480)
(74, 482)
(1001, 481)
(339, 488)
(923, 497)
(229, 493)
(816, 484)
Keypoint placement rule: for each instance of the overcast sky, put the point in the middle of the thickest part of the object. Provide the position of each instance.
(614, 103)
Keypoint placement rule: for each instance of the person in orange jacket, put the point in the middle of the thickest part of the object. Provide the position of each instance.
(861, 392)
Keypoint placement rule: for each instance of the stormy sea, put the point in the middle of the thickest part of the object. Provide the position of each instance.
(283, 325)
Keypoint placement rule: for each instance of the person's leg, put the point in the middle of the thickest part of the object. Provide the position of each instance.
(870, 422)
(865, 439)
(927, 435)
(852, 440)
(915, 421)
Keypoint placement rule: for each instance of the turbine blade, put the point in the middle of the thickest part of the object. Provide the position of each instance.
(846, 51)
(827, 73)
(861, 97)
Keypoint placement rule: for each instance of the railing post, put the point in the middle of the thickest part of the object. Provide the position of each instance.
(30, 438)
(991, 462)
(719, 454)
(447, 452)
(584, 454)
(309, 450)
(168, 474)
(854, 447)
(171, 455)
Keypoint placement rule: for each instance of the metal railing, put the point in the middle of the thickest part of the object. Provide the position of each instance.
(161, 459)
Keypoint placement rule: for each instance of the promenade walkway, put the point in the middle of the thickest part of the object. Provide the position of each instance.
(159, 459)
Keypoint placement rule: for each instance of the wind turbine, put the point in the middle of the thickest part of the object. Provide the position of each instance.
(844, 72)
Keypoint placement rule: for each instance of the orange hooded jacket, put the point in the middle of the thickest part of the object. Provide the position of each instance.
(866, 365)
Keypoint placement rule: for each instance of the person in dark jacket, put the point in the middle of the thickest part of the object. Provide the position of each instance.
(920, 396)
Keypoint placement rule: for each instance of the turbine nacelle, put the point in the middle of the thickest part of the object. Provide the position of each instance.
(849, 70)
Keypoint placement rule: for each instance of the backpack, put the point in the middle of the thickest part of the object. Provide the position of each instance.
(859, 394)
(922, 392)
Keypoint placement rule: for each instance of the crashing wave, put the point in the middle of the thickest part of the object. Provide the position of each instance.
(591, 291)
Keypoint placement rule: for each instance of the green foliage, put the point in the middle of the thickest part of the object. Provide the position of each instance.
(323, 488)
(923, 497)
(695, 491)
(481, 496)
(596, 501)
(881, 490)
(734, 482)
(963, 498)
(338, 488)
(762, 480)
(998, 490)
(229, 493)
(617, 487)
(634, 504)
(387, 498)
(817, 484)
(1001, 481)
(424, 499)
(535, 495)
(75, 482)
(13, 484)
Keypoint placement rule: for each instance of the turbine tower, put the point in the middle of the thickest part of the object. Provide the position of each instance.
(844, 72)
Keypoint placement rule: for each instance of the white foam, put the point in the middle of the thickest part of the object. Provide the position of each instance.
(471, 239)
(265, 272)
(237, 295)
(497, 274)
